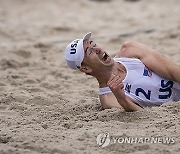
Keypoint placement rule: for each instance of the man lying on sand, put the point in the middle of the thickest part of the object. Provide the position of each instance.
(136, 77)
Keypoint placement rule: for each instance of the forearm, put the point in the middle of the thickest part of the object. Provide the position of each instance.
(176, 74)
(161, 65)
(153, 59)
(109, 101)
(128, 104)
(166, 68)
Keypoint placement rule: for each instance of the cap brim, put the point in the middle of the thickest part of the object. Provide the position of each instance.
(87, 36)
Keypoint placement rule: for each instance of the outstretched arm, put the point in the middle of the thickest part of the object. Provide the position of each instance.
(153, 59)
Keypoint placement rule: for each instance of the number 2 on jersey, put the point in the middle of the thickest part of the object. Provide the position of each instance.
(140, 90)
(165, 88)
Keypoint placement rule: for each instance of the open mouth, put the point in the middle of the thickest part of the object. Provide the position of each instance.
(104, 56)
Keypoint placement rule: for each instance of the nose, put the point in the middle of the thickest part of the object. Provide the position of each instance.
(97, 50)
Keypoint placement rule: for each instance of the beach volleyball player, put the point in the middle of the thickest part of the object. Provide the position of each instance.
(136, 77)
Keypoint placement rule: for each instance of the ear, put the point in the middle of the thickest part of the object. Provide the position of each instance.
(86, 69)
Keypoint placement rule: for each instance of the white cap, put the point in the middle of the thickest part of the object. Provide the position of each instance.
(75, 52)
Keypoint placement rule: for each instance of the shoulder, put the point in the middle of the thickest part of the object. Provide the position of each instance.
(132, 49)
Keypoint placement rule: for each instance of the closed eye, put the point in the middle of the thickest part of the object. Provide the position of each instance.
(90, 51)
(94, 44)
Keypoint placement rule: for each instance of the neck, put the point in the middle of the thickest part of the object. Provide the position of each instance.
(104, 76)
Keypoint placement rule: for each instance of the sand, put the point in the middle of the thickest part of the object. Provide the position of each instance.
(45, 107)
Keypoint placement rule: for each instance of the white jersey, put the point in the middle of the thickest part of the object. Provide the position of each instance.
(145, 87)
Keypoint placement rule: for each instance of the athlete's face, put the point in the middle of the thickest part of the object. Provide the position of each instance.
(95, 57)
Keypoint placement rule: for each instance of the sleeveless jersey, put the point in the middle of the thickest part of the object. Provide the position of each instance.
(145, 87)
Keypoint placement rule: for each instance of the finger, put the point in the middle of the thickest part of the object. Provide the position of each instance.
(116, 79)
(119, 80)
(113, 80)
(113, 85)
(119, 86)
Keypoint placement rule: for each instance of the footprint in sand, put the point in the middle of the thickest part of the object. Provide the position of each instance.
(23, 53)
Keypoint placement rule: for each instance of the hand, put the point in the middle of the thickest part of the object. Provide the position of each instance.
(116, 85)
